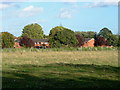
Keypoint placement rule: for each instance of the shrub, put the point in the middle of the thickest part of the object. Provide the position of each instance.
(7, 40)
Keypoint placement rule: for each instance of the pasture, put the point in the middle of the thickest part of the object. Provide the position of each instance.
(60, 69)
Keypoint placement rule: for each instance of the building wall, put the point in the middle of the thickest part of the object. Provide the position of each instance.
(41, 44)
(17, 45)
(90, 43)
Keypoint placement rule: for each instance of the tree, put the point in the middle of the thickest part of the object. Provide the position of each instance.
(105, 32)
(100, 41)
(26, 42)
(7, 40)
(80, 39)
(0, 40)
(113, 40)
(33, 31)
(118, 40)
(89, 34)
(56, 29)
(63, 38)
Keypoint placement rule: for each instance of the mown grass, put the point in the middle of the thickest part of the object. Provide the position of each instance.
(60, 69)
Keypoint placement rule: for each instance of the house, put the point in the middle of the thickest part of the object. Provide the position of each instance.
(88, 42)
(39, 43)
(17, 43)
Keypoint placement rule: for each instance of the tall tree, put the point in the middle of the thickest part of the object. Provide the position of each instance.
(63, 38)
(105, 32)
(56, 29)
(33, 31)
(7, 40)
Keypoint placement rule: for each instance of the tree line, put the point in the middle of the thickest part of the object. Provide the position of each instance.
(60, 36)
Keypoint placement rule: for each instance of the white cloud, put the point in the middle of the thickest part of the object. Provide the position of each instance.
(5, 5)
(30, 11)
(65, 13)
(103, 3)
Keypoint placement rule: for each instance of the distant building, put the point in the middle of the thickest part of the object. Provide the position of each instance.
(38, 43)
(17, 43)
(89, 42)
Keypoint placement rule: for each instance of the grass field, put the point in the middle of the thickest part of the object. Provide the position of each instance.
(60, 69)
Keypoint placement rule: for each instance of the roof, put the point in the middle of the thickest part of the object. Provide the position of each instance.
(17, 40)
(40, 40)
(87, 39)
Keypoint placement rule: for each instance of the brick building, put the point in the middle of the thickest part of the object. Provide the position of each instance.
(89, 42)
(38, 43)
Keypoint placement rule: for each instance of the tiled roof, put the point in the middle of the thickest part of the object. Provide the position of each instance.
(87, 39)
(40, 40)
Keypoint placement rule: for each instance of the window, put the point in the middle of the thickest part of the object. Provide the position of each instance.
(46, 43)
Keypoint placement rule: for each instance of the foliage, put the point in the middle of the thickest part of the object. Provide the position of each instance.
(56, 29)
(33, 31)
(113, 40)
(64, 38)
(46, 36)
(80, 40)
(100, 41)
(0, 40)
(7, 40)
(118, 40)
(89, 34)
(105, 32)
(26, 42)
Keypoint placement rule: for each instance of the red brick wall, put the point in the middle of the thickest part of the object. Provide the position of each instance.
(90, 43)
(17, 45)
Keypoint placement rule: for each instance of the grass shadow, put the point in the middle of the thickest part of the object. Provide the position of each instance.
(61, 75)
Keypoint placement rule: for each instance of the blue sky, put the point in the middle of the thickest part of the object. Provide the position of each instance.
(78, 16)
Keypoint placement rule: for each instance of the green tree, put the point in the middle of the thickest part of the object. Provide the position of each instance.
(105, 32)
(33, 31)
(56, 29)
(113, 40)
(118, 40)
(89, 34)
(0, 40)
(63, 38)
(7, 40)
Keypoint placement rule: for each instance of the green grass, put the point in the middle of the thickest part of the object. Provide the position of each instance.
(60, 69)
(61, 49)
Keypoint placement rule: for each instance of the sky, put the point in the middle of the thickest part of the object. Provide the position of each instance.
(77, 16)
